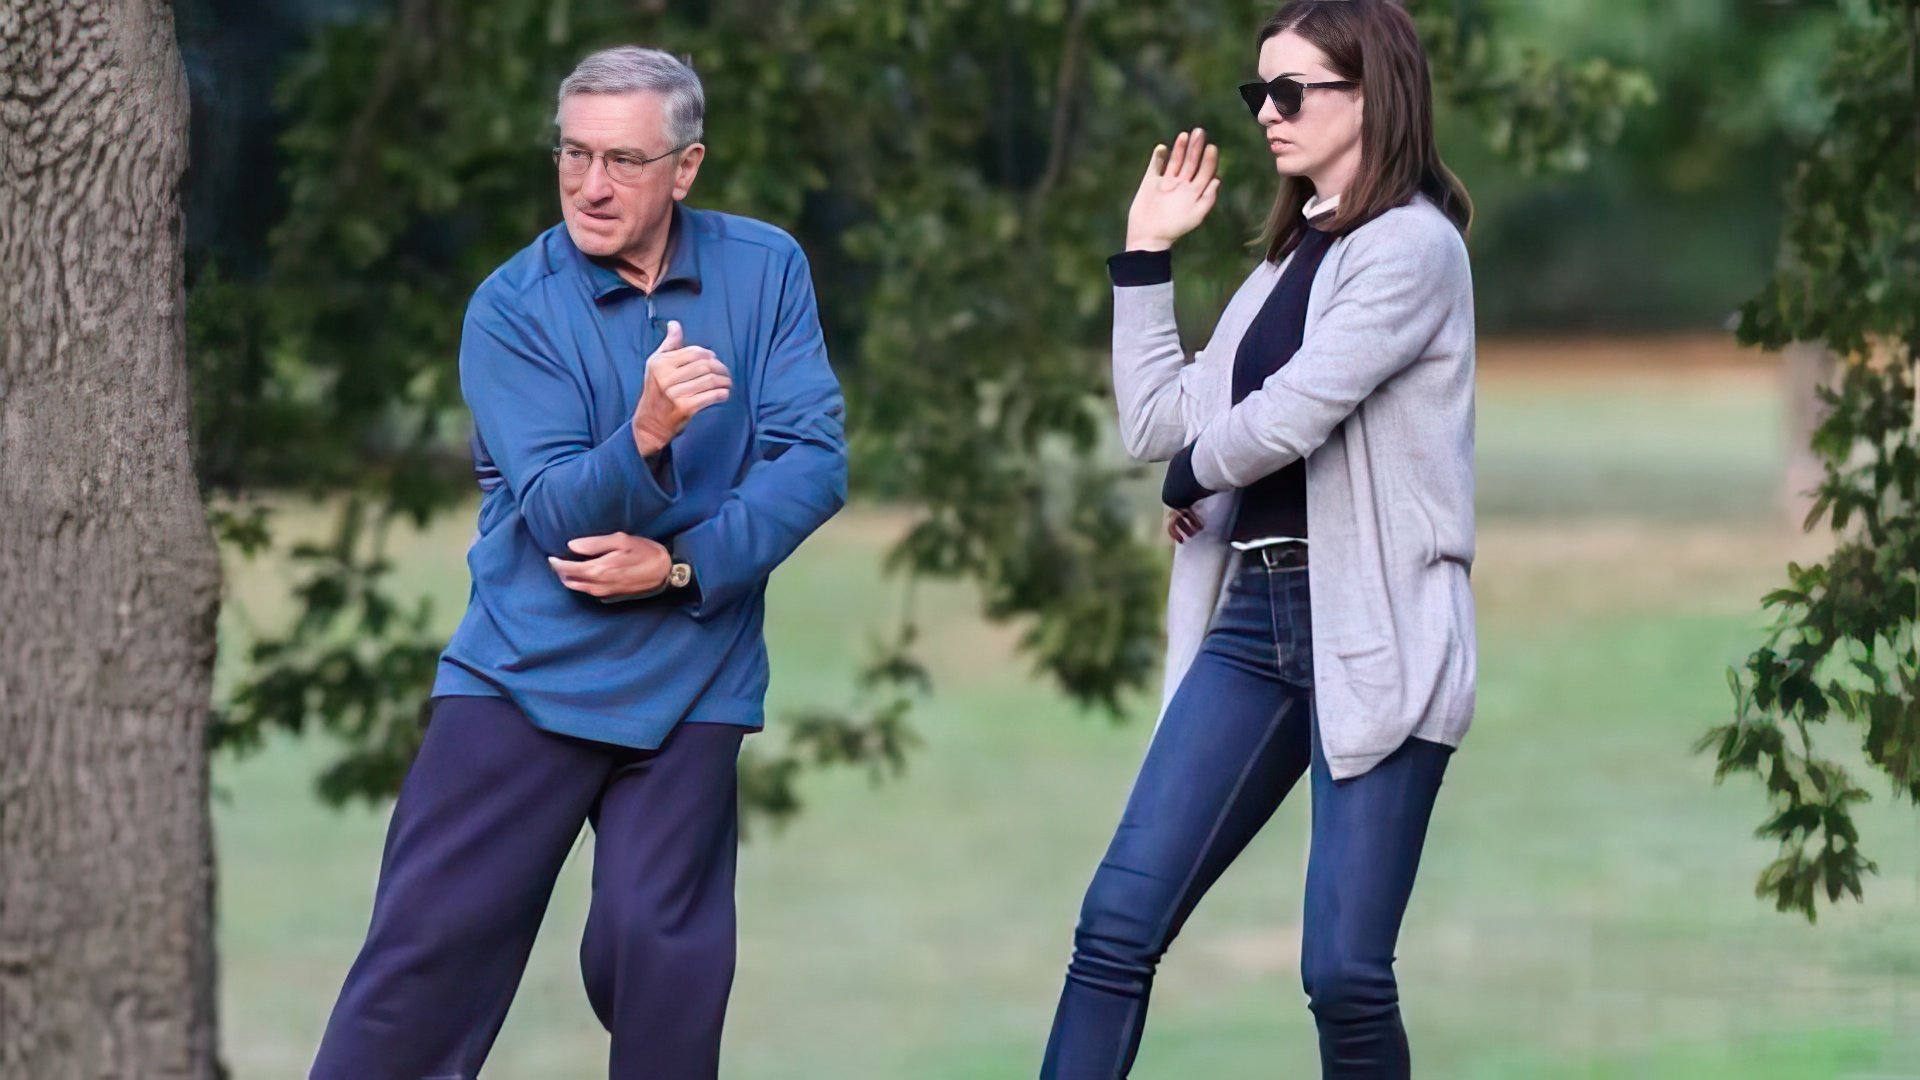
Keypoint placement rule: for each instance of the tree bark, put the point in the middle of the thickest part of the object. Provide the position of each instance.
(1805, 367)
(109, 579)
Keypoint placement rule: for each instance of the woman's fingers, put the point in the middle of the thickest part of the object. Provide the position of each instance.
(1191, 160)
(1177, 191)
(1196, 145)
(1183, 525)
(1209, 166)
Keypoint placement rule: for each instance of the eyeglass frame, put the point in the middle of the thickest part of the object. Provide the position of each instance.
(603, 155)
(1265, 92)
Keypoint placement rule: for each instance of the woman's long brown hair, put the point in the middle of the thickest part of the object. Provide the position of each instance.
(1373, 43)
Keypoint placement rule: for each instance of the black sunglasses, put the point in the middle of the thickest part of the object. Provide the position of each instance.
(1285, 92)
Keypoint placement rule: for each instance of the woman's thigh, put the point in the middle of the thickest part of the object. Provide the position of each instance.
(1232, 743)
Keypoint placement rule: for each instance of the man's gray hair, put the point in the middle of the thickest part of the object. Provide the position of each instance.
(634, 69)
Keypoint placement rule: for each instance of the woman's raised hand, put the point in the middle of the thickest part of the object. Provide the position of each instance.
(1176, 193)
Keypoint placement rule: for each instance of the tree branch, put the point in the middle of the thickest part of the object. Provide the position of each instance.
(1065, 81)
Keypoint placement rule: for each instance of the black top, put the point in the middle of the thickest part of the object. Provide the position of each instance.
(1275, 505)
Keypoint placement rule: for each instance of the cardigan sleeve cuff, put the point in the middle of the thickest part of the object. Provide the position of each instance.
(1181, 489)
(1130, 268)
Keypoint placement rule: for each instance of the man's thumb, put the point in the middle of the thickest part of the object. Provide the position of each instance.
(673, 339)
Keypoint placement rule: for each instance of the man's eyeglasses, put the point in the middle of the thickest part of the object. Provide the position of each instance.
(1286, 93)
(622, 167)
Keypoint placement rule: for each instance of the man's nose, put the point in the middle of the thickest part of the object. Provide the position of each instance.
(596, 184)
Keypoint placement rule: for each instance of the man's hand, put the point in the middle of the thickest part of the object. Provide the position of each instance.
(1175, 194)
(615, 565)
(681, 380)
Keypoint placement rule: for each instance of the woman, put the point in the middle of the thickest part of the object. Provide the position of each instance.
(1336, 395)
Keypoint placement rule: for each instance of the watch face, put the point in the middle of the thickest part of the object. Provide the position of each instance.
(680, 575)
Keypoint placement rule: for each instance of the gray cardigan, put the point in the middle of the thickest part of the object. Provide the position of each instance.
(1379, 400)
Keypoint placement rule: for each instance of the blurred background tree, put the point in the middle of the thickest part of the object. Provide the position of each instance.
(957, 172)
(1847, 641)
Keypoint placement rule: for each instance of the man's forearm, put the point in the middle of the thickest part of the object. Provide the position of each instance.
(762, 521)
(610, 488)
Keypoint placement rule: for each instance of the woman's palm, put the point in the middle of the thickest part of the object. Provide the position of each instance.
(1176, 193)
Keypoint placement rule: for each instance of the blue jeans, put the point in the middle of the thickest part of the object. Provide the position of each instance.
(1237, 735)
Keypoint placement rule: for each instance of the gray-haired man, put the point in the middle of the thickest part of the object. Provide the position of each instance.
(655, 429)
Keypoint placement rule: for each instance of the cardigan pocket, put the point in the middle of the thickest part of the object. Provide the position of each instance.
(1362, 697)
(1368, 662)
(1367, 676)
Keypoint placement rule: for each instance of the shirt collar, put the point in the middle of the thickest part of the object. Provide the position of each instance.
(1317, 206)
(683, 260)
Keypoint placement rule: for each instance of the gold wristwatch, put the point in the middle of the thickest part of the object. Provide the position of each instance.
(680, 576)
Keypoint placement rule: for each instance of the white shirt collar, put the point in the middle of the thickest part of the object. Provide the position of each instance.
(1317, 206)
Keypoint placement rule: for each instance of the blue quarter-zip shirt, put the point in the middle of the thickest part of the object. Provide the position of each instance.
(553, 357)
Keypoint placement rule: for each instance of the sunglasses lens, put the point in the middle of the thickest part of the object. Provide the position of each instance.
(1286, 95)
(1255, 95)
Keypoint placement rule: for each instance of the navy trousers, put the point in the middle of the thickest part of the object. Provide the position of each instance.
(1238, 733)
(485, 819)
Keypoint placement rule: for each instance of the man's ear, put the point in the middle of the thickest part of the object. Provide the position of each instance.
(687, 168)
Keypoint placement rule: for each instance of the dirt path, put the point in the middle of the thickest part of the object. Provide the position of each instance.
(1659, 358)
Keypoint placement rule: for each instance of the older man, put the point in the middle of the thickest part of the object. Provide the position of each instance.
(656, 428)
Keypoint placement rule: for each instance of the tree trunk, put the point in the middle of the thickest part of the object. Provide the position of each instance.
(1805, 367)
(109, 580)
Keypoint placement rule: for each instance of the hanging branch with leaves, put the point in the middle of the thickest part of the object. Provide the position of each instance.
(1844, 646)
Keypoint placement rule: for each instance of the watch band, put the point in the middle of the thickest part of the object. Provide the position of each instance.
(679, 576)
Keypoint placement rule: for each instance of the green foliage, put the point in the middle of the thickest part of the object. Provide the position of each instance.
(1542, 112)
(1845, 643)
(956, 171)
(1677, 223)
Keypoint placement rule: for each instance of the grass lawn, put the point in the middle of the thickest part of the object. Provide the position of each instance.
(1585, 904)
